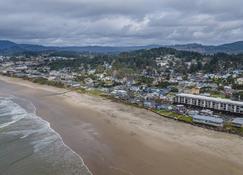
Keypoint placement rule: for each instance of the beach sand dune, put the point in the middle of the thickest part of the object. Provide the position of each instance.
(115, 139)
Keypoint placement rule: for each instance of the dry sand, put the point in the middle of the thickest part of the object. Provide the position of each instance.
(115, 139)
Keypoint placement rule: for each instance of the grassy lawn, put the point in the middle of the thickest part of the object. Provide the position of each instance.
(171, 94)
(217, 94)
(174, 115)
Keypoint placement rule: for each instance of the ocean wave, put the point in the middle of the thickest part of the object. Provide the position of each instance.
(48, 146)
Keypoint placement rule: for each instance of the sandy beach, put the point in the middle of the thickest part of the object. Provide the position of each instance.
(115, 139)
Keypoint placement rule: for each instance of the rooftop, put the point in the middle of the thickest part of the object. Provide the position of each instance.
(238, 121)
(208, 118)
(221, 100)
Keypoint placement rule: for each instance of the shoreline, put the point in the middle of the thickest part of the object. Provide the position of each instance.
(227, 128)
(53, 130)
(108, 128)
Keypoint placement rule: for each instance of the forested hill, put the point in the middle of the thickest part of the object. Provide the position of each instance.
(150, 59)
(138, 59)
(182, 60)
(143, 59)
(162, 51)
(230, 48)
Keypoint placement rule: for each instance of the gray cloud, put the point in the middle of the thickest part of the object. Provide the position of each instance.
(121, 22)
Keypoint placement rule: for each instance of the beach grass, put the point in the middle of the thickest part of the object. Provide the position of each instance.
(93, 92)
(174, 115)
(233, 129)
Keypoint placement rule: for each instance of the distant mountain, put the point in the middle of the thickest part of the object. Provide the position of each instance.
(8, 47)
(231, 48)
(103, 49)
(4, 44)
(11, 48)
(236, 47)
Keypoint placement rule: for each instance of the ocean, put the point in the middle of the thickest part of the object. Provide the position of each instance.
(29, 146)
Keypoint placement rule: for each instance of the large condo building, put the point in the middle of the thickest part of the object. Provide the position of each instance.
(210, 103)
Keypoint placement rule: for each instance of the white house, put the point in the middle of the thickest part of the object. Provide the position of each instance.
(210, 102)
(237, 122)
(208, 120)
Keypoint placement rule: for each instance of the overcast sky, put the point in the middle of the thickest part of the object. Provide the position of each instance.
(121, 22)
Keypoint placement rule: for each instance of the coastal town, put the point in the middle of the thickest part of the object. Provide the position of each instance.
(210, 100)
(121, 87)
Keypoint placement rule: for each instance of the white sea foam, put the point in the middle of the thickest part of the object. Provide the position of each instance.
(43, 134)
(11, 109)
(10, 123)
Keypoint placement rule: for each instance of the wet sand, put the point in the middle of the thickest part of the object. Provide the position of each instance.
(115, 139)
